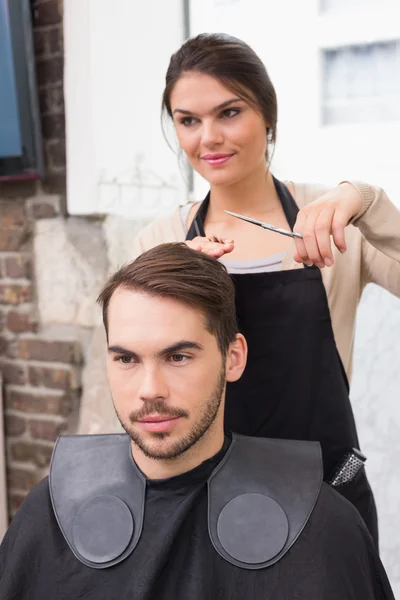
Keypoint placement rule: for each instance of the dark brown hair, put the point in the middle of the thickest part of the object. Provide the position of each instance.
(193, 278)
(234, 64)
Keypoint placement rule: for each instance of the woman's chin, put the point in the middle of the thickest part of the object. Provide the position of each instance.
(220, 178)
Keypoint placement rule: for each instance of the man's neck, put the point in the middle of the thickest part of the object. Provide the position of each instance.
(207, 447)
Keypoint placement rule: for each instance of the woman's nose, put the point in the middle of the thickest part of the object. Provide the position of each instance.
(211, 133)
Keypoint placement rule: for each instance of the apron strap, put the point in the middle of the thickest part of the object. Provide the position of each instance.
(288, 203)
(290, 208)
(197, 226)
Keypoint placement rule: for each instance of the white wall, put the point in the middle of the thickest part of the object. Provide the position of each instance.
(116, 57)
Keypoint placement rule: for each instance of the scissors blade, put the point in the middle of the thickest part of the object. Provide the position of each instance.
(268, 226)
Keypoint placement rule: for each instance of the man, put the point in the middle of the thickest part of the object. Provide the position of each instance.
(177, 508)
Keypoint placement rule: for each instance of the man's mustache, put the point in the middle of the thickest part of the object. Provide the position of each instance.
(157, 407)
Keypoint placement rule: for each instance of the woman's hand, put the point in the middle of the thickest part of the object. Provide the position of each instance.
(212, 245)
(326, 216)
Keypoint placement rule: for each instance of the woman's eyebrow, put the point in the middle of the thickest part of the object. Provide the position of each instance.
(213, 110)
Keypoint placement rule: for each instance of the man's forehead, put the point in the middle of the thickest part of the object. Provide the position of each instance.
(125, 302)
(131, 310)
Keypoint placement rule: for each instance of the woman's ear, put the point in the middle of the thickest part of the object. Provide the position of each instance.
(236, 358)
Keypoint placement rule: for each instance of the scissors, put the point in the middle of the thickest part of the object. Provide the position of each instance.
(291, 234)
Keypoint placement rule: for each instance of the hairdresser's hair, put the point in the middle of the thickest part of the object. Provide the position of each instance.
(190, 277)
(234, 64)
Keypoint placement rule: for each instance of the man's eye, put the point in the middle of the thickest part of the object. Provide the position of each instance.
(178, 358)
(124, 360)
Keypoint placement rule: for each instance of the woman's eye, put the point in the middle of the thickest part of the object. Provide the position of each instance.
(188, 121)
(230, 112)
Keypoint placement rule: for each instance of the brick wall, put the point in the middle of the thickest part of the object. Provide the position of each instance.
(40, 375)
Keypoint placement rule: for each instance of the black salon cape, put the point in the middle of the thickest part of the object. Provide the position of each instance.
(334, 559)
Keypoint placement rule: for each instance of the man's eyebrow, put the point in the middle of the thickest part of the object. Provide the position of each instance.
(177, 347)
(121, 350)
(214, 110)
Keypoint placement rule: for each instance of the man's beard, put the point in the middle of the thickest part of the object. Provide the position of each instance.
(199, 429)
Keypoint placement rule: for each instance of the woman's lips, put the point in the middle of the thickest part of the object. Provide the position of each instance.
(216, 159)
(158, 423)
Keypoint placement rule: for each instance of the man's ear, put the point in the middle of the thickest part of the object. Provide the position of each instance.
(236, 358)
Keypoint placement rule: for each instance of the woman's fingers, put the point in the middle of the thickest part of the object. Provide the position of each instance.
(327, 216)
(310, 239)
(323, 228)
(212, 246)
(315, 225)
(301, 254)
(339, 223)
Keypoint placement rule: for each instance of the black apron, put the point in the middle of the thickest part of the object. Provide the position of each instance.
(294, 385)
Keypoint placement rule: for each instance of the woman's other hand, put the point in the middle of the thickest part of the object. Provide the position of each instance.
(212, 245)
(325, 217)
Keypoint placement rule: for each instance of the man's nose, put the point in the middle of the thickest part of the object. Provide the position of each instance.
(153, 385)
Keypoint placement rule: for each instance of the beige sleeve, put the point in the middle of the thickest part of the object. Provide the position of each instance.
(380, 269)
(378, 221)
(138, 244)
(165, 229)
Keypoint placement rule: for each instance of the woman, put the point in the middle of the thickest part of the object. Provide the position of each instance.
(288, 294)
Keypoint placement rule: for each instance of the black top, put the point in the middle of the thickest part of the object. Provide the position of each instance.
(333, 559)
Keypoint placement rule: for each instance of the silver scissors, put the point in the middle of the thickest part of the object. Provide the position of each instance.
(291, 234)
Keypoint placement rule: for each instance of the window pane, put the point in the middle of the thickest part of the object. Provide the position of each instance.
(10, 138)
(362, 83)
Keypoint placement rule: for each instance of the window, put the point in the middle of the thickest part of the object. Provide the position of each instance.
(361, 83)
(20, 140)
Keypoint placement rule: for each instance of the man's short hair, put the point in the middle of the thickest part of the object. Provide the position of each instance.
(176, 271)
